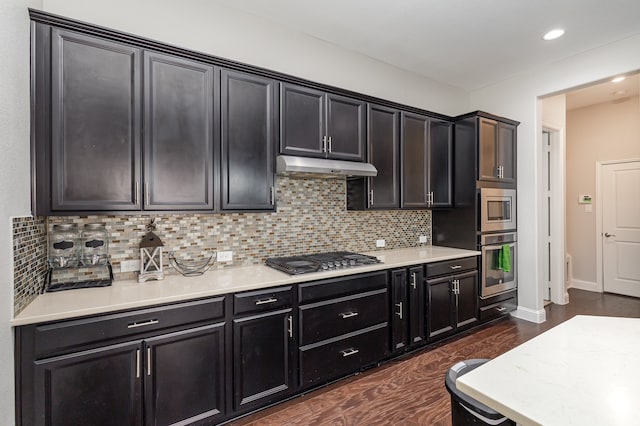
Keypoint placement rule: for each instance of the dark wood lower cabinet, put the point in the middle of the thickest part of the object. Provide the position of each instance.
(262, 358)
(452, 303)
(95, 387)
(184, 376)
(407, 322)
(209, 360)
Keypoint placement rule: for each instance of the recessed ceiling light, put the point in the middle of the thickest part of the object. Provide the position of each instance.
(618, 79)
(553, 34)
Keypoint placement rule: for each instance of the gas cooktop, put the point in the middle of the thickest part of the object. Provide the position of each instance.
(295, 265)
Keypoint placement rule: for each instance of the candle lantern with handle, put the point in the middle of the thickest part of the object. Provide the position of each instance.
(151, 248)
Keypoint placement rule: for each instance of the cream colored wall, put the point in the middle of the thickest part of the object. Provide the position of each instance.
(607, 131)
(209, 27)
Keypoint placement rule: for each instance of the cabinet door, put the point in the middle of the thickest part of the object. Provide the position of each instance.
(440, 163)
(467, 299)
(262, 358)
(488, 150)
(384, 153)
(249, 120)
(414, 149)
(440, 307)
(346, 129)
(302, 125)
(184, 376)
(95, 387)
(95, 123)
(417, 303)
(179, 132)
(507, 152)
(399, 308)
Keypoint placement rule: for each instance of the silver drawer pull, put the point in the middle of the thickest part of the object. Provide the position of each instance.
(349, 352)
(142, 324)
(454, 267)
(349, 315)
(501, 309)
(265, 301)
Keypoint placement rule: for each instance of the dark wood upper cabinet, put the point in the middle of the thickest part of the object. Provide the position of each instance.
(184, 377)
(440, 164)
(427, 150)
(95, 124)
(302, 122)
(249, 131)
(383, 149)
(507, 152)
(318, 124)
(346, 130)
(415, 160)
(179, 133)
(497, 149)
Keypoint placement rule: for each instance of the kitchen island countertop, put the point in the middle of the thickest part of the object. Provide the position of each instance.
(584, 371)
(129, 294)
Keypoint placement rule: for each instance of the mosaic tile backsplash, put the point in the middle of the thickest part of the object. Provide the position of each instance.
(311, 217)
(29, 259)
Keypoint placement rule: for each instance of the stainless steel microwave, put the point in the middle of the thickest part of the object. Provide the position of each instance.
(497, 209)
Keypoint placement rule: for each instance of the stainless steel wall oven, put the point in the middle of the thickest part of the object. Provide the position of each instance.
(499, 263)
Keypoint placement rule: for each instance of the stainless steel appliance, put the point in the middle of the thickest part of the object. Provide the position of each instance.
(497, 209)
(499, 263)
(294, 265)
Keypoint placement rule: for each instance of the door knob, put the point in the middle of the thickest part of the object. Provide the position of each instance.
(606, 234)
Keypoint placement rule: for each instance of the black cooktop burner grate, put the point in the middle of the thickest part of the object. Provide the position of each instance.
(295, 265)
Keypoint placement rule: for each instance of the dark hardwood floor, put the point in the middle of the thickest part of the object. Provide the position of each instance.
(410, 390)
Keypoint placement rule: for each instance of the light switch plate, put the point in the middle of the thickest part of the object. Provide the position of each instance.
(129, 266)
(380, 243)
(225, 256)
(422, 239)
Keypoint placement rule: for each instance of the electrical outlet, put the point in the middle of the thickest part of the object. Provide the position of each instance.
(380, 243)
(129, 266)
(422, 239)
(225, 256)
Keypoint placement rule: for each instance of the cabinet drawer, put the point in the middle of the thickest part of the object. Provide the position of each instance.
(331, 318)
(451, 266)
(262, 300)
(496, 309)
(64, 336)
(340, 356)
(337, 287)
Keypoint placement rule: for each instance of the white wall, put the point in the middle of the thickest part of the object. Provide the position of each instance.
(14, 171)
(606, 131)
(517, 98)
(553, 112)
(206, 26)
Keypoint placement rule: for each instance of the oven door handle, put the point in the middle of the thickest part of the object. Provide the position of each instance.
(497, 247)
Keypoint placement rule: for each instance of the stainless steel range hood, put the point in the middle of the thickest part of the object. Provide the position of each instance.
(320, 167)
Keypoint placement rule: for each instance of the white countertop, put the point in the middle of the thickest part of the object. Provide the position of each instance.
(585, 371)
(174, 288)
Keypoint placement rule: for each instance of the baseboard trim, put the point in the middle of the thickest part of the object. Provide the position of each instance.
(530, 315)
(585, 285)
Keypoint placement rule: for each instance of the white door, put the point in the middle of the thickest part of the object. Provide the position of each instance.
(621, 228)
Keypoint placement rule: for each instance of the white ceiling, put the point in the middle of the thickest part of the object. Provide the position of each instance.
(464, 43)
